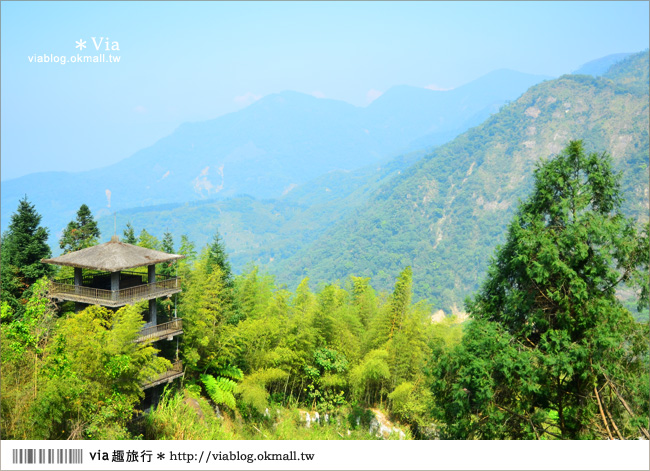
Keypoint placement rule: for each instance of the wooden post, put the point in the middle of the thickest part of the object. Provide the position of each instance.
(152, 302)
(115, 285)
(78, 277)
(78, 281)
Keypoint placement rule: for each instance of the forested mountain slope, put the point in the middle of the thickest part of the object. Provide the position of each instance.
(445, 215)
(266, 149)
(262, 231)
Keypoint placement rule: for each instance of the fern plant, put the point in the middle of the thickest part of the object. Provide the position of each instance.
(221, 389)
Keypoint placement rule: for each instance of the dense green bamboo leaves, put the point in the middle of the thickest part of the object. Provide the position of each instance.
(75, 377)
(550, 350)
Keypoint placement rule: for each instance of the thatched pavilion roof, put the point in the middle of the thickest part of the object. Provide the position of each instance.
(112, 256)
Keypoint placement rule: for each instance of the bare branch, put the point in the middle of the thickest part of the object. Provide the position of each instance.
(602, 414)
(614, 424)
(627, 408)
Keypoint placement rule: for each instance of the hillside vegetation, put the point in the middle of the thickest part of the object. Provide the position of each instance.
(546, 237)
(445, 215)
(548, 352)
(261, 231)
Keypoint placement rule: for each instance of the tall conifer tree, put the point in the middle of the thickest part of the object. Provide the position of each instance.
(80, 233)
(129, 234)
(24, 244)
(551, 351)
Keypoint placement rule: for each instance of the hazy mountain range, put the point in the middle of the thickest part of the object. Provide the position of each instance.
(443, 211)
(445, 214)
(268, 148)
(600, 66)
(323, 195)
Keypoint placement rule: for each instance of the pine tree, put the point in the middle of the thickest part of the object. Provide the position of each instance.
(551, 351)
(217, 257)
(168, 242)
(24, 244)
(129, 234)
(80, 233)
(167, 269)
(12, 286)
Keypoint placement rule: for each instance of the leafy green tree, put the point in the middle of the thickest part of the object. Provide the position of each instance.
(408, 347)
(400, 301)
(24, 244)
(330, 300)
(304, 301)
(129, 234)
(253, 292)
(167, 270)
(327, 381)
(12, 284)
(73, 377)
(80, 233)
(253, 390)
(302, 335)
(551, 351)
(206, 337)
(410, 403)
(364, 299)
(24, 341)
(188, 249)
(370, 378)
(447, 333)
(95, 371)
(390, 319)
(148, 241)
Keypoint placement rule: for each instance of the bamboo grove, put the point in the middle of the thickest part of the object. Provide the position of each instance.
(548, 352)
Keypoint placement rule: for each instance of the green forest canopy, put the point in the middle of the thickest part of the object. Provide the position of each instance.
(549, 350)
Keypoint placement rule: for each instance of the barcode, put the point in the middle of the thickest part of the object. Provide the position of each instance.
(47, 455)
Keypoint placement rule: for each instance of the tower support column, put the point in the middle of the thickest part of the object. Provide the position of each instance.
(115, 285)
(78, 276)
(78, 282)
(153, 309)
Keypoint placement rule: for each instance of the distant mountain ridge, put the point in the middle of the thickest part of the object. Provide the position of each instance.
(325, 229)
(264, 231)
(445, 215)
(600, 66)
(264, 150)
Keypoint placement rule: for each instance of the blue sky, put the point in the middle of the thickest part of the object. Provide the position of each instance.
(194, 61)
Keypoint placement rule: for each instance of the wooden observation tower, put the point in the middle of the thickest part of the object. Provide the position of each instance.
(102, 277)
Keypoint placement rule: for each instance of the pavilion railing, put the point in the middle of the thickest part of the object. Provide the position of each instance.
(113, 298)
(166, 329)
(92, 277)
(176, 371)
